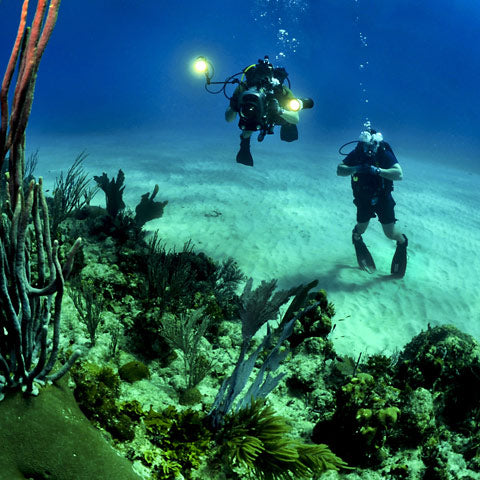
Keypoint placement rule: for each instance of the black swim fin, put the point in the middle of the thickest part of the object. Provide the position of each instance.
(399, 261)
(364, 257)
(289, 132)
(244, 156)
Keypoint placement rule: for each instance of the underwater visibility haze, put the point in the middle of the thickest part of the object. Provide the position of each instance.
(122, 64)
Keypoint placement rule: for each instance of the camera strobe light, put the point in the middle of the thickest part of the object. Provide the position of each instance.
(295, 104)
(200, 65)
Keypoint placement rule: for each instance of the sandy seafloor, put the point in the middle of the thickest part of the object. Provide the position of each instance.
(290, 217)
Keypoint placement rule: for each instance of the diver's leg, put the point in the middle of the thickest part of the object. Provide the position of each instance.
(392, 232)
(399, 261)
(364, 258)
(386, 215)
(244, 156)
(359, 230)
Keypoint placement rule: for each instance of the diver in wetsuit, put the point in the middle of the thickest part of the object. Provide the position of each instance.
(373, 168)
(262, 101)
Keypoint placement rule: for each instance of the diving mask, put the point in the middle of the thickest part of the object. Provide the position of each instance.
(370, 142)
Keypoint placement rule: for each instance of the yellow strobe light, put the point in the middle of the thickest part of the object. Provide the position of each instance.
(200, 65)
(295, 104)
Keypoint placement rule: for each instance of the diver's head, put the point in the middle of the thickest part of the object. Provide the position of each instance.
(370, 141)
(263, 72)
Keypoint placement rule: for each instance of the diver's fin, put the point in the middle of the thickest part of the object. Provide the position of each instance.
(399, 261)
(289, 132)
(364, 257)
(244, 156)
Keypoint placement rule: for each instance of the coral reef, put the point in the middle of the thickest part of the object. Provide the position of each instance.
(178, 365)
(418, 402)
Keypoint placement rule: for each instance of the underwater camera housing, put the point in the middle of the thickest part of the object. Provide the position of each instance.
(254, 103)
(253, 109)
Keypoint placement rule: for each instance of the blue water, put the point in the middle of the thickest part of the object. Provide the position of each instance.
(115, 65)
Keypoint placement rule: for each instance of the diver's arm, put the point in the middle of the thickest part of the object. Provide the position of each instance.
(344, 170)
(393, 173)
(290, 117)
(284, 100)
(230, 114)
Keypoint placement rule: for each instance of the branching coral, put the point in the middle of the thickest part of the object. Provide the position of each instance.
(70, 192)
(31, 277)
(185, 332)
(113, 192)
(259, 306)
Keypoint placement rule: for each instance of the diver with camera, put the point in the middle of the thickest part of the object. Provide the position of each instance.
(262, 101)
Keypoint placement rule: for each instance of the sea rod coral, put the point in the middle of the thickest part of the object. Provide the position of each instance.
(31, 277)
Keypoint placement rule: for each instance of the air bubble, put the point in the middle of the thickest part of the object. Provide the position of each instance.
(281, 19)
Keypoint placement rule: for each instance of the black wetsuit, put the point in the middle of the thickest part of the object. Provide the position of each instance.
(373, 193)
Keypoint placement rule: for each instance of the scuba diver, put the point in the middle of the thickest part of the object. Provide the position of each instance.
(261, 100)
(373, 168)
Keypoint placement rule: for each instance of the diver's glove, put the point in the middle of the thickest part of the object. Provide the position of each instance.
(368, 169)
